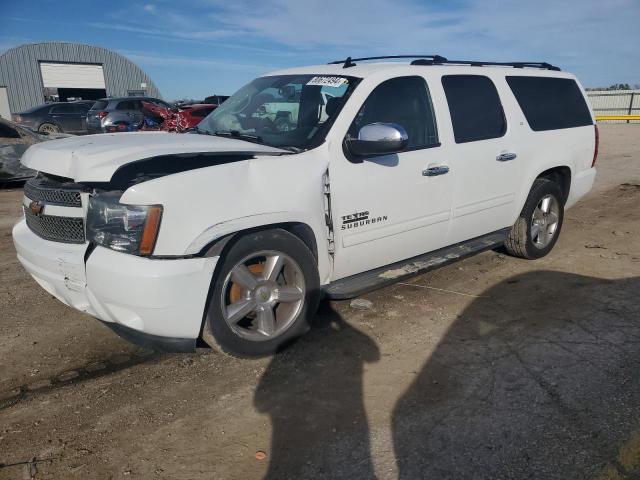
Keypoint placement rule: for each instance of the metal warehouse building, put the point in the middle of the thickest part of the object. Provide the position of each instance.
(59, 71)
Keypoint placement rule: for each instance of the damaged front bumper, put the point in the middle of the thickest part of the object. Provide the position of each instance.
(153, 302)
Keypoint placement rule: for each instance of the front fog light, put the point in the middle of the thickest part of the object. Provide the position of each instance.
(125, 228)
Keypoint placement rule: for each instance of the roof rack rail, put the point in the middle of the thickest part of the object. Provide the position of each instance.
(349, 62)
(439, 60)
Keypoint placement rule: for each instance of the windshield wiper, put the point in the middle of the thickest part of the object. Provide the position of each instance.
(251, 138)
(237, 134)
(197, 130)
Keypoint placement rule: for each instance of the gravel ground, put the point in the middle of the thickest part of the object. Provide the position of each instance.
(492, 368)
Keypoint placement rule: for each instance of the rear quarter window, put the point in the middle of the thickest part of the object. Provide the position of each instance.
(550, 103)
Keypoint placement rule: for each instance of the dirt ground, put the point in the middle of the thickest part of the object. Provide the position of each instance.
(492, 368)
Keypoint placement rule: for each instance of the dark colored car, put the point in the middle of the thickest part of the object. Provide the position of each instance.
(59, 117)
(14, 140)
(215, 99)
(125, 114)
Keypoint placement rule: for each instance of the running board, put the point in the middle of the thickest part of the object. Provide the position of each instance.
(365, 282)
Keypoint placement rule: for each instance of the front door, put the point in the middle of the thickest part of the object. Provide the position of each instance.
(389, 208)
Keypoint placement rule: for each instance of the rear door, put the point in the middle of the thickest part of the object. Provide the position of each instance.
(386, 208)
(130, 111)
(94, 115)
(484, 156)
(67, 117)
(81, 110)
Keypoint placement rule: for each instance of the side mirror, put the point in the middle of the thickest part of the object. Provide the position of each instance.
(378, 139)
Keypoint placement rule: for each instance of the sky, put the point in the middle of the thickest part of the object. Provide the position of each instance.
(195, 48)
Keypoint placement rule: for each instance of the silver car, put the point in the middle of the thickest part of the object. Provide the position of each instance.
(125, 114)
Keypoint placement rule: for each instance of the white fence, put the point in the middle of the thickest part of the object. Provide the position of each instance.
(615, 102)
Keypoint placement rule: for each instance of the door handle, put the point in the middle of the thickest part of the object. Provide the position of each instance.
(435, 171)
(505, 157)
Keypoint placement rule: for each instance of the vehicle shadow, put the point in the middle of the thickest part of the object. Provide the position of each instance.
(313, 394)
(539, 378)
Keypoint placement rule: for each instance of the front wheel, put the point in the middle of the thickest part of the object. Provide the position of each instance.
(537, 228)
(263, 295)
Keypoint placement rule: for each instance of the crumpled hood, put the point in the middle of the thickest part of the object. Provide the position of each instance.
(95, 158)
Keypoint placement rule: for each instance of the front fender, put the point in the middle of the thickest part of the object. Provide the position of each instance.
(205, 204)
(263, 220)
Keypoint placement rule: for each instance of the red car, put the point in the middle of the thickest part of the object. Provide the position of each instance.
(176, 119)
(191, 115)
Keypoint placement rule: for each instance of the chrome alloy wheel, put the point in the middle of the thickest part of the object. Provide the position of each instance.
(544, 222)
(262, 295)
(49, 128)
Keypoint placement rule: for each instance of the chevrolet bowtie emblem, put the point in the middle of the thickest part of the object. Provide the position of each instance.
(36, 207)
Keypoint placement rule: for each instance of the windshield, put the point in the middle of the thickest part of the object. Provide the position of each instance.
(285, 111)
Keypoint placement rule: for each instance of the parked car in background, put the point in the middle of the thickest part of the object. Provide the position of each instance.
(59, 117)
(124, 114)
(191, 115)
(215, 99)
(14, 140)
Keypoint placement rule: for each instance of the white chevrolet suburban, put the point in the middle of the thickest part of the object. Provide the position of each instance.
(328, 180)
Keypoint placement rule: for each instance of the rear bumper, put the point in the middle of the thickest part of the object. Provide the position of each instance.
(137, 297)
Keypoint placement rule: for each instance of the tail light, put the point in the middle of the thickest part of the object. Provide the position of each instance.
(595, 150)
(101, 115)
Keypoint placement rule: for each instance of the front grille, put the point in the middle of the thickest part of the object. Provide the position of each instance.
(53, 193)
(56, 229)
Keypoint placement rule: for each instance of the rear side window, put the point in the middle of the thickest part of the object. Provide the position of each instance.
(129, 105)
(99, 105)
(406, 102)
(550, 103)
(62, 109)
(475, 108)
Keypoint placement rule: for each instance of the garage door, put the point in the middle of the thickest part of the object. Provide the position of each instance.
(71, 75)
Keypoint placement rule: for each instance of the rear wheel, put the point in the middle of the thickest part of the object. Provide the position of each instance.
(49, 128)
(537, 228)
(264, 294)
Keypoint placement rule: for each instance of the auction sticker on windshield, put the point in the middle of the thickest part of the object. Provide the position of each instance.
(327, 81)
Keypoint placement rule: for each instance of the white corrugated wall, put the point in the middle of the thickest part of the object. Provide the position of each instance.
(20, 71)
(615, 102)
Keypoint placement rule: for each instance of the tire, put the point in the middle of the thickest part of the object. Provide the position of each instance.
(49, 128)
(535, 232)
(257, 332)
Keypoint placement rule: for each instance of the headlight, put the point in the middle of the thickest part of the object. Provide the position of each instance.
(125, 228)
